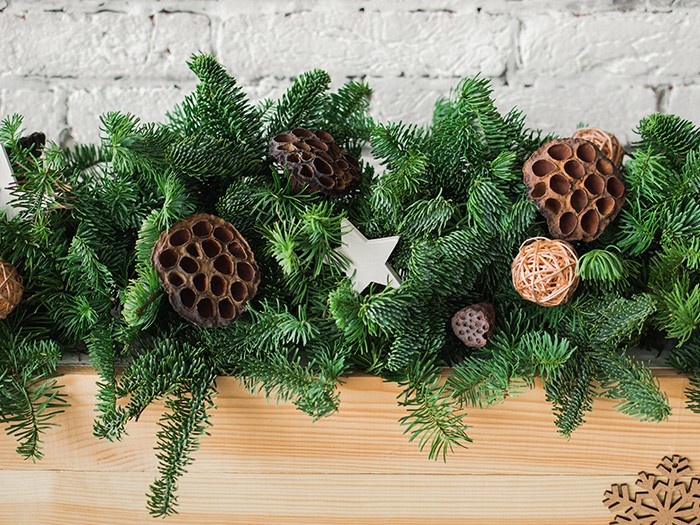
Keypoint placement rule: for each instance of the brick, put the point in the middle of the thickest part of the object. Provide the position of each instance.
(150, 104)
(176, 36)
(684, 101)
(57, 44)
(374, 44)
(43, 109)
(560, 107)
(409, 100)
(614, 43)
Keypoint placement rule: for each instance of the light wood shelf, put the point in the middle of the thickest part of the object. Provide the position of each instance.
(268, 463)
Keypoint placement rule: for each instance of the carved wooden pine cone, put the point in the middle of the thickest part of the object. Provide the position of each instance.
(606, 142)
(577, 189)
(473, 324)
(314, 160)
(11, 289)
(207, 268)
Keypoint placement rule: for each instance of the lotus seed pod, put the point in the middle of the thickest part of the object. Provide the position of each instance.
(577, 189)
(473, 324)
(207, 268)
(315, 161)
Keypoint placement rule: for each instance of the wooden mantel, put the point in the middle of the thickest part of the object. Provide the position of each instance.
(266, 463)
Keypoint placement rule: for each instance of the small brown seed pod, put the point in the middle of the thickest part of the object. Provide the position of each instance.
(11, 289)
(207, 268)
(606, 142)
(315, 161)
(577, 189)
(473, 324)
(544, 271)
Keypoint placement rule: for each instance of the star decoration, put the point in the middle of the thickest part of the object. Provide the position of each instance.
(368, 258)
(667, 498)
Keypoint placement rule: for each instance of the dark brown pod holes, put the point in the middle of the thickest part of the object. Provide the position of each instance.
(559, 184)
(579, 200)
(542, 167)
(236, 250)
(574, 169)
(589, 222)
(586, 152)
(594, 184)
(179, 238)
(245, 271)
(239, 291)
(559, 151)
(211, 247)
(224, 264)
(189, 265)
(205, 308)
(567, 223)
(227, 310)
(217, 285)
(202, 228)
(176, 279)
(200, 282)
(167, 258)
(223, 234)
(187, 297)
(615, 187)
(553, 205)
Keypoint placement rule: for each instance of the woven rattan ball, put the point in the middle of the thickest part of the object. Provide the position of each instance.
(607, 143)
(544, 271)
(577, 189)
(473, 324)
(207, 268)
(11, 289)
(315, 161)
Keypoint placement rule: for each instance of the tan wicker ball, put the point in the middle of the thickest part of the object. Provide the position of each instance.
(544, 271)
(607, 143)
(11, 289)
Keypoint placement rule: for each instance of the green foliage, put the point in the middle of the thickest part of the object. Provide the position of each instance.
(452, 190)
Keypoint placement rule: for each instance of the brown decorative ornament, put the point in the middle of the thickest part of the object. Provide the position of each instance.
(11, 289)
(207, 268)
(606, 142)
(577, 189)
(473, 324)
(315, 161)
(670, 497)
(544, 271)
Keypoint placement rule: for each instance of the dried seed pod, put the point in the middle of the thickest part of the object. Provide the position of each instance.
(207, 268)
(315, 161)
(606, 142)
(544, 271)
(577, 189)
(11, 289)
(473, 324)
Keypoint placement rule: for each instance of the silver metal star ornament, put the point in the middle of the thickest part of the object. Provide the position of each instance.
(368, 258)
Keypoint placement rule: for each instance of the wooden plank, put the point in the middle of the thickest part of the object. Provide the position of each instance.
(252, 436)
(96, 498)
(267, 463)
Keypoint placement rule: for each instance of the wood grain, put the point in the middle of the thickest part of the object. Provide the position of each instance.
(268, 463)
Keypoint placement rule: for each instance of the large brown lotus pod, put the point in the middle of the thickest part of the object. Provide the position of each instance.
(11, 289)
(606, 142)
(577, 189)
(544, 271)
(315, 161)
(473, 324)
(207, 268)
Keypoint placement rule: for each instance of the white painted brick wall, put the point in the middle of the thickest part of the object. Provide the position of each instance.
(601, 62)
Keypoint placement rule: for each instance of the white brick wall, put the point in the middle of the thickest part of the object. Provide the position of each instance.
(601, 62)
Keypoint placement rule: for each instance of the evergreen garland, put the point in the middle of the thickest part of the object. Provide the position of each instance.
(89, 217)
